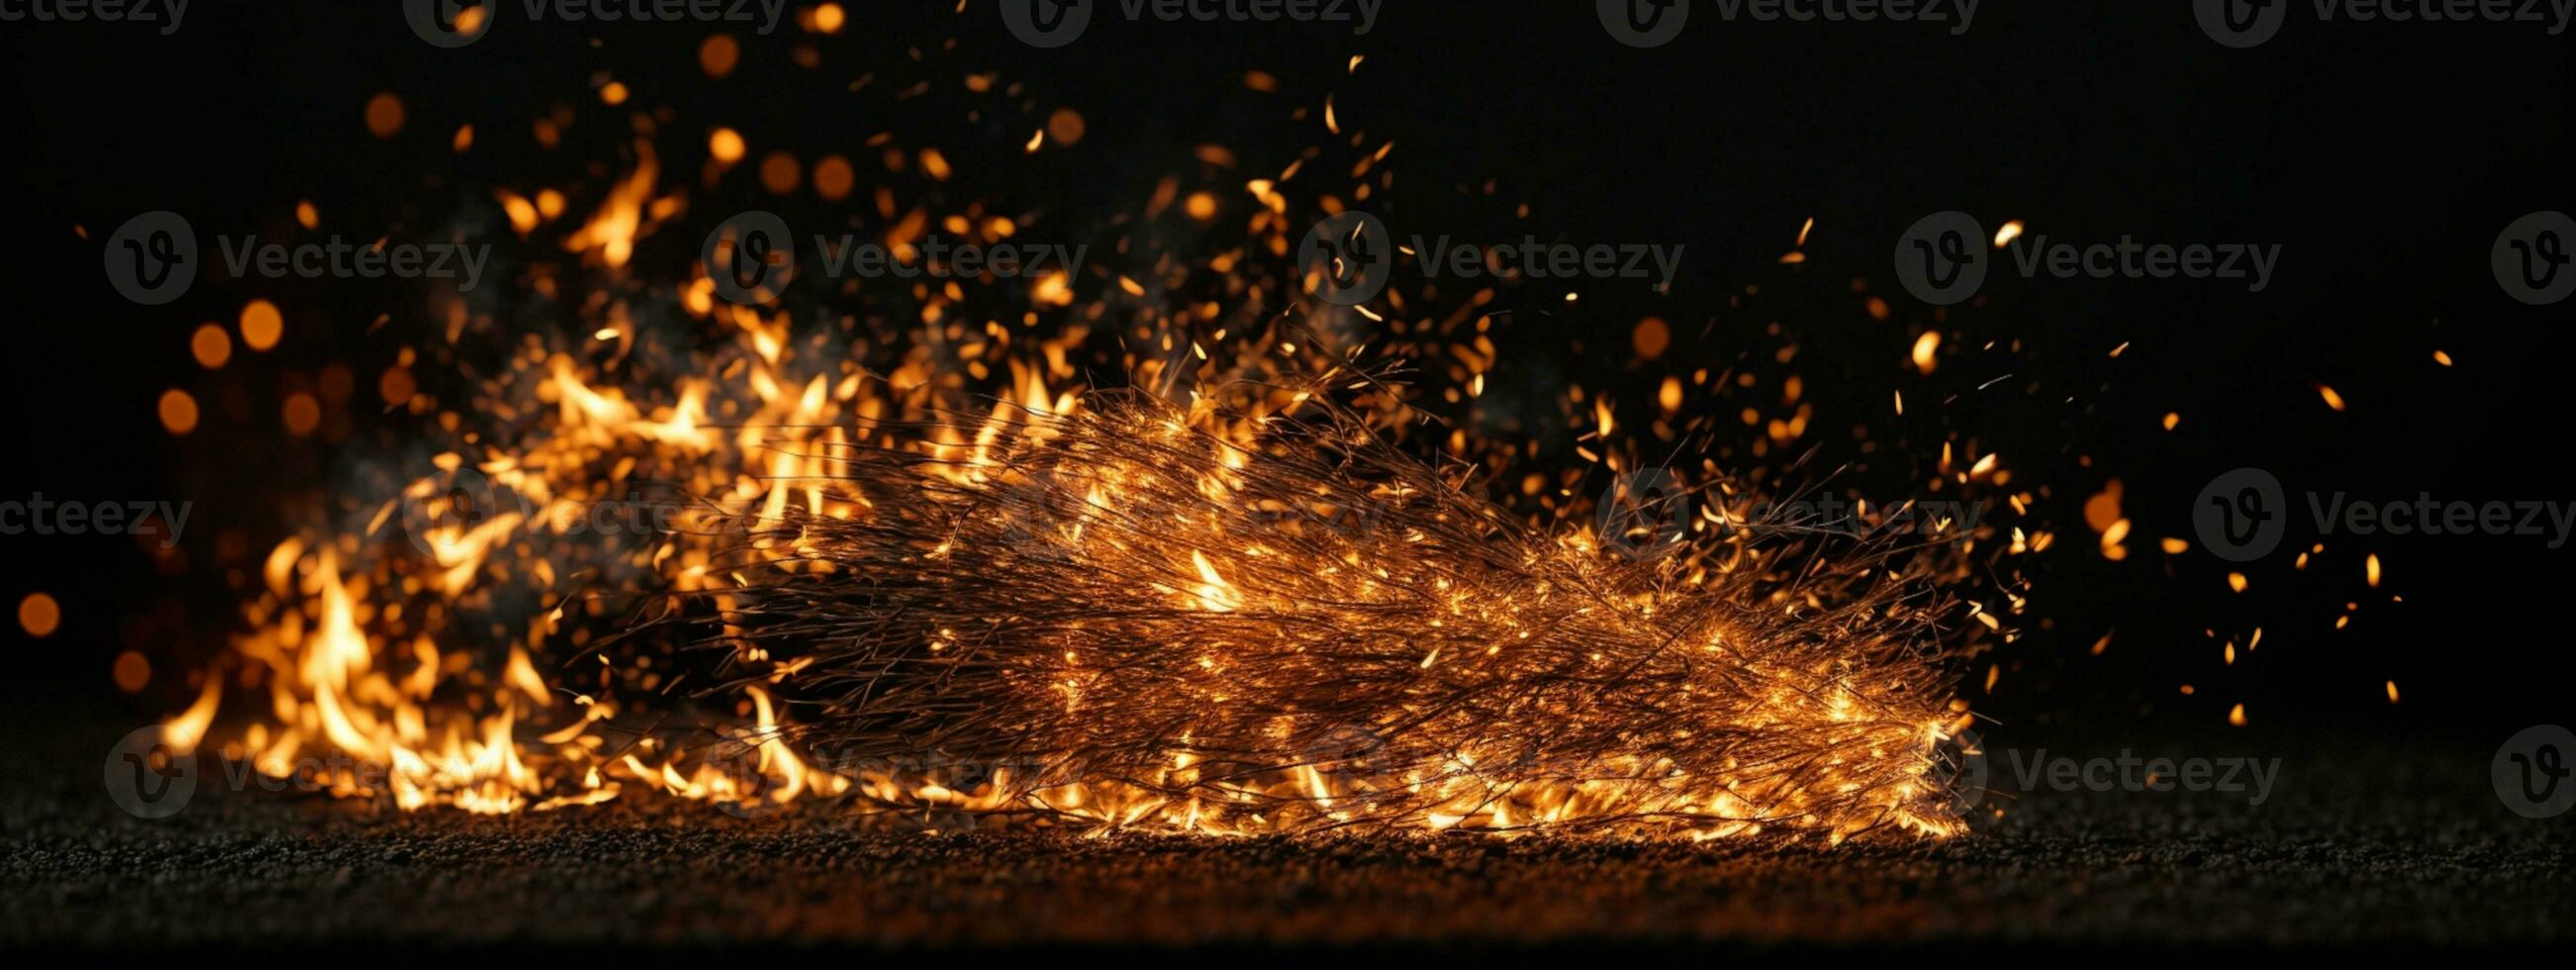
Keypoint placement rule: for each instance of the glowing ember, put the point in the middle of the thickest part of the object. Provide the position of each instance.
(889, 544)
(1115, 617)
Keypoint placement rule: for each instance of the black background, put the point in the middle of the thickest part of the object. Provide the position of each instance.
(2383, 158)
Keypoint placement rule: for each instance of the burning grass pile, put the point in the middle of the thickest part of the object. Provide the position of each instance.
(1268, 618)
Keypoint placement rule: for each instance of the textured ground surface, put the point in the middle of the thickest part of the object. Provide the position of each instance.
(2375, 851)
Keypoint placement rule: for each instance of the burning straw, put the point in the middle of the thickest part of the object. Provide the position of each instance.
(1119, 613)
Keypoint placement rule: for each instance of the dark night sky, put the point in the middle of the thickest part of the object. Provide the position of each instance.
(2382, 158)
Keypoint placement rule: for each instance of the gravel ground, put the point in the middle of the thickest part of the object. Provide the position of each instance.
(2404, 850)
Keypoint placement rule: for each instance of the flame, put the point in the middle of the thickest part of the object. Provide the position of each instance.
(1215, 595)
(456, 659)
(610, 235)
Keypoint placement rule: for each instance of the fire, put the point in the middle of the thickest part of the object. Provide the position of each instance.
(1215, 595)
(555, 608)
(1421, 662)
